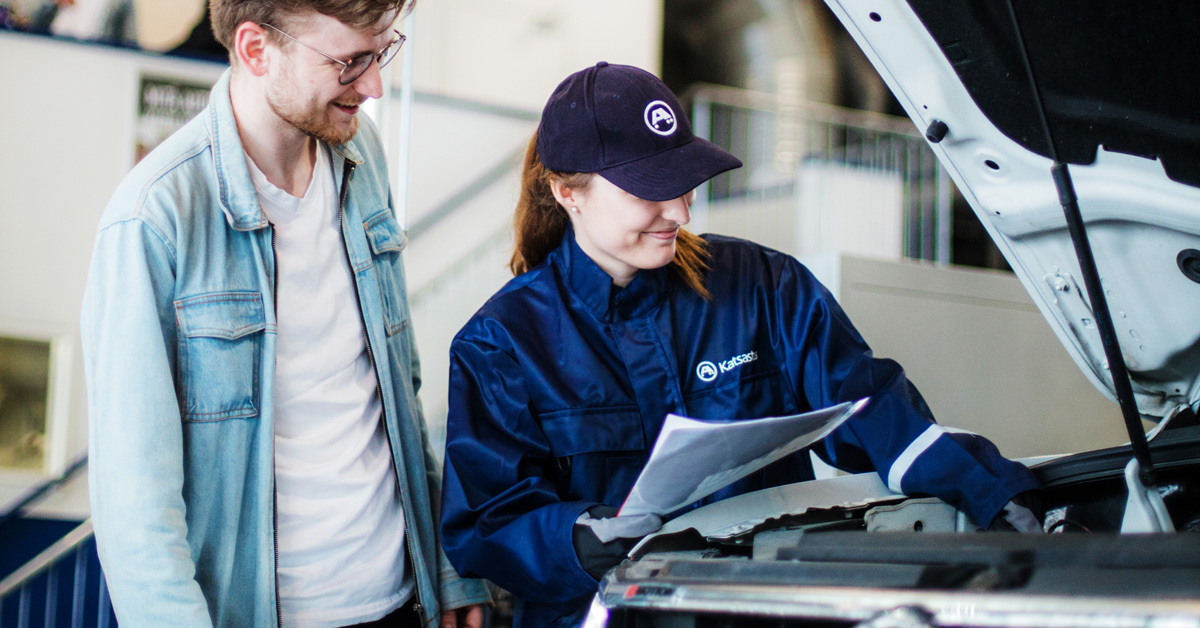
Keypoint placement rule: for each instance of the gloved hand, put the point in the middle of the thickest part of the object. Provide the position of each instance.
(602, 539)
(1024, 513)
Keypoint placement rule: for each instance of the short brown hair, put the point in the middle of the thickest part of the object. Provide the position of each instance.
(540, 222)
(228, 15)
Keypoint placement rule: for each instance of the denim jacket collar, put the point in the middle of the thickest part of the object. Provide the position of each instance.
(239, 200)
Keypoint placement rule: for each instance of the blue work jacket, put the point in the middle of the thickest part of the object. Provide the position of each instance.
(179, 345)
(560, 384)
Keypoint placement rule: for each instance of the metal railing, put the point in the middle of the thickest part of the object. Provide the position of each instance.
(442, 307)
(509, 164)
(41, 490)
(62, 586)
(787, 145)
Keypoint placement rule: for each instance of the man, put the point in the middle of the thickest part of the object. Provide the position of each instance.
(258, 455)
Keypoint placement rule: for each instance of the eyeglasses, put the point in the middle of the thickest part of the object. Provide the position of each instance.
(356, 66)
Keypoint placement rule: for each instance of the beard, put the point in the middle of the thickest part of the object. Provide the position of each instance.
(310, 119)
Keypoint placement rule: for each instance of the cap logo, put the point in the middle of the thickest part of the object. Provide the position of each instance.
(659, 118)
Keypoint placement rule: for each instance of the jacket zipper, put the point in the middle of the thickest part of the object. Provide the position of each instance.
(347, 170)
(274, 486)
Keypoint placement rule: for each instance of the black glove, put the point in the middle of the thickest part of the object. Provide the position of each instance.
(602, 539)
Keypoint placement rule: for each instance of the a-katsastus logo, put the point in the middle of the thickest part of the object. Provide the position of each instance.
(659, 118)
(707, 371)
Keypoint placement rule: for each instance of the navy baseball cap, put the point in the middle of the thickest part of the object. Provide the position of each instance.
(624, 124)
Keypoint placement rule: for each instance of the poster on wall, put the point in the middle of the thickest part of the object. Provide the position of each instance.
(165, 105)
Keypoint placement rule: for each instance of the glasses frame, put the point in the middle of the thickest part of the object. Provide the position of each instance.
(382, 58)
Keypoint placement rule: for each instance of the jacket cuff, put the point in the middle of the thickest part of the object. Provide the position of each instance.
(457, 592)
(991, 506)
(578, 579)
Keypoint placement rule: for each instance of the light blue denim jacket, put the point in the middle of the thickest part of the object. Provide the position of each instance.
(179, 344)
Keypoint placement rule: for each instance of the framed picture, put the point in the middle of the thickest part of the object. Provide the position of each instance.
(165, 105)
(33, 406)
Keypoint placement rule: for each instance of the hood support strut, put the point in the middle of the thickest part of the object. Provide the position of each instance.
(1091, 277)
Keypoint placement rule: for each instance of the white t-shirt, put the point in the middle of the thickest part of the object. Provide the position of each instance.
(340, 523)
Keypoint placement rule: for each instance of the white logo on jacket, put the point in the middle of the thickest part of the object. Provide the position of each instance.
(707, 371)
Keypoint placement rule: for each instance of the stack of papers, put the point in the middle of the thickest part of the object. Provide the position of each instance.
(692, 458)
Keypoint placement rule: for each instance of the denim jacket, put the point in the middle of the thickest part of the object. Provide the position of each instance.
(179, 342)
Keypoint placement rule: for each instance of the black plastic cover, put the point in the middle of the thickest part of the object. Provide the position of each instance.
(1115, 73)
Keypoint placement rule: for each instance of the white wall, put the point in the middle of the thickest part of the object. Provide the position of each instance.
(979, 351)
(68, 141)
(453, 144)
(513, 52)
(835, 209)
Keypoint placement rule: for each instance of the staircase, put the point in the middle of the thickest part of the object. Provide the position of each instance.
(51, 574)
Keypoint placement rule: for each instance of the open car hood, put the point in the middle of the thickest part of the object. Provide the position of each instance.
(741, 515)
(1117, 83)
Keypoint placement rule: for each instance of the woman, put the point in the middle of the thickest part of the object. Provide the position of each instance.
(560, 383)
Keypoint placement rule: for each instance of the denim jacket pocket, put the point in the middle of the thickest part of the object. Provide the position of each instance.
(220, 349)
(387, 240)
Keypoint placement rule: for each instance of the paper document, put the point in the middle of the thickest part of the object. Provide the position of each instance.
(694, 458)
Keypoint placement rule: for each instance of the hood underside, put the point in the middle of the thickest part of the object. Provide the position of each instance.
(1113, 94)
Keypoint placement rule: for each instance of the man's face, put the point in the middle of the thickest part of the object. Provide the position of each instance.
(303, 87)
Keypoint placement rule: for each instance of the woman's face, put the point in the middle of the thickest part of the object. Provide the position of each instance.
(621, 232)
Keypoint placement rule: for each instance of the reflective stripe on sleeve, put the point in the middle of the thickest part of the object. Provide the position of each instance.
(915, 449)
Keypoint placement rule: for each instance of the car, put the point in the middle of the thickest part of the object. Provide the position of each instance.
(1071, 129)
